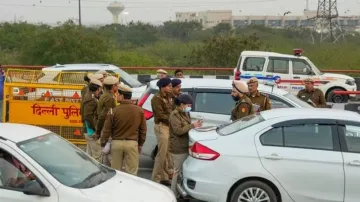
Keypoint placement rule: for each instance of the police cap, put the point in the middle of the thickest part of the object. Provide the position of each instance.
(124, 88)
(308, 80)
(175, 82)
(253, 80)
(185, 98)
(111, 80)
(96, 82)
(163, 82)
(96, 76)
(161, 71)
(101, 71)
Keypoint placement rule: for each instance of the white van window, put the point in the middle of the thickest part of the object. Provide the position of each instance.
(278, 65)
(254, 64)
(300, 67)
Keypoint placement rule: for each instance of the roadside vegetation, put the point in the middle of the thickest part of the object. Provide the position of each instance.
(173, 44)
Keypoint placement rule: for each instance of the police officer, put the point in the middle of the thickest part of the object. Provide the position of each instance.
(84, 89)
(179, 73)
(161, 105)
(90, 103)
(261, 101)
(103, 72)
(106, 102)
(128, 132)
(311, 95)
(161, 73)
(180, 125)
(243, 105)
(176, 90)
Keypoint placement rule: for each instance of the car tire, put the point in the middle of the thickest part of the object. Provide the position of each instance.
(255, 185)
(332, 97)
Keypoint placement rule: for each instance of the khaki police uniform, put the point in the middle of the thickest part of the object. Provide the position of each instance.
(244, 106)
(127, 134)
(180, 125)
(106, 102)
(161, 105)
(313, 97)
(261, 100)
(90, 103)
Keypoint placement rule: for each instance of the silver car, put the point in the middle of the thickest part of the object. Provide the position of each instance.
(212, 103)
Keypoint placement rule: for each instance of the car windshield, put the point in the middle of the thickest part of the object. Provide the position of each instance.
(240, 124)
(65, 162)
(296, 100)
(314, 68)
(128, 78)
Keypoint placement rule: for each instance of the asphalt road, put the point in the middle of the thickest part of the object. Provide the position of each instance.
(145, 169)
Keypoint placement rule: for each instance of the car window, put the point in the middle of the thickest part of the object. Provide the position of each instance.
(273, 137)
(13, 173)
(308, 136)
(278, 103)
(278, 65)
(240, 124)
(254, 64)
(65, 162)
(130, 80)
(352, 138)
(238, 64)
(217, 103)
(300, 67)
(298, 101)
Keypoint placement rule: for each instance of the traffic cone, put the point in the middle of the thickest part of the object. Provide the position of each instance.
(47, 94)
(77, 132)
(76, 95)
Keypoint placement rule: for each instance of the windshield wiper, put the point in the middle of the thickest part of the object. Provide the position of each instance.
(86, 180)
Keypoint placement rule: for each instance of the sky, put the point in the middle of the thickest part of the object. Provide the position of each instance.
(152, 11)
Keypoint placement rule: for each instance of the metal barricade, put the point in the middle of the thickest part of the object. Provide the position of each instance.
(48, 99)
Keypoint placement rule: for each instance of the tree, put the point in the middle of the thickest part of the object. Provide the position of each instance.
(180, 30)
(222, 28)
(224, 50)
(67, 43)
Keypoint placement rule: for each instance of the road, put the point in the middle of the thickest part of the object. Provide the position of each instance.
(145, 170)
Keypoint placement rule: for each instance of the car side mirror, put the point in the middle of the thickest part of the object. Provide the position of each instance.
(33, 187)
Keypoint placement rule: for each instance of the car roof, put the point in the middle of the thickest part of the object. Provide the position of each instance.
(81, 67)
(217, 84)
(269, 54)
(20, 132)
(316, 113)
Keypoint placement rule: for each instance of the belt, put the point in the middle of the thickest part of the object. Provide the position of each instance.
(125, 139)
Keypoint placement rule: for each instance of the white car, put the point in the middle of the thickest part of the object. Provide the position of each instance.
(287, 155)
(61, 172)
(212, 103)
(290, 70)
(137, 87)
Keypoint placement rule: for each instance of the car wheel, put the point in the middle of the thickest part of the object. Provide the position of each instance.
(253, 191)
(335, 98)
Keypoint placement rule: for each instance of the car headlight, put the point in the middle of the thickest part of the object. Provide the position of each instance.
(350, 82)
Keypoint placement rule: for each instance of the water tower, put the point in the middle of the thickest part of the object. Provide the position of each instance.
(116, 8)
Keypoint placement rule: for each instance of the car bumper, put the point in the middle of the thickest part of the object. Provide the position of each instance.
(201, 182)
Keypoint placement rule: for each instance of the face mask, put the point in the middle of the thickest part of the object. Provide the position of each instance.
(187, 109)
(235, 98)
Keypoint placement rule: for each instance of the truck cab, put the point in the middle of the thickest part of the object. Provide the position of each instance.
(288, 72)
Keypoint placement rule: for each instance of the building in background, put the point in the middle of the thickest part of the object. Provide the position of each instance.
(213, 17)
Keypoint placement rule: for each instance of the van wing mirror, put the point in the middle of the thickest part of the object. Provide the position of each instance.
(33, 187)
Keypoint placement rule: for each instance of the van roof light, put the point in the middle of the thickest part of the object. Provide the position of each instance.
(297, 52)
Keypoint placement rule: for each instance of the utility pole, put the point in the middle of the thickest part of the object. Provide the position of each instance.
(79, 12)
(326, 25)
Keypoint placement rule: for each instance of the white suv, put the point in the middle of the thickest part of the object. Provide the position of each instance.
(290, 70)
(212, 102)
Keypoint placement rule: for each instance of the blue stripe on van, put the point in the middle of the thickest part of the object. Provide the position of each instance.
(260, 77)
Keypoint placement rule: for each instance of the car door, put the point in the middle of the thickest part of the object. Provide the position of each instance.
(212, 105)
(252, 67)
(304, 156)
(350, 144)
(279, 68)
(300, 70)
(277, 102)
(8, 193)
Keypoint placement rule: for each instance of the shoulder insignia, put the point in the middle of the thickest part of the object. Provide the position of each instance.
(243, 110)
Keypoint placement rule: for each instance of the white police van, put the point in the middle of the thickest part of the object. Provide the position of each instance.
(289, 70)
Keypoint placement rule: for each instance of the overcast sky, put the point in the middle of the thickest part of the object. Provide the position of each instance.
(154, 11)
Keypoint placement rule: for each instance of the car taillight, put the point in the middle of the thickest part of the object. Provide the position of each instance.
(202, 152)
(237, 75)
(148, 114)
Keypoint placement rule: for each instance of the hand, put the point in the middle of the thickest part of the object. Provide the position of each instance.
(197, 123)
(139, 148)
